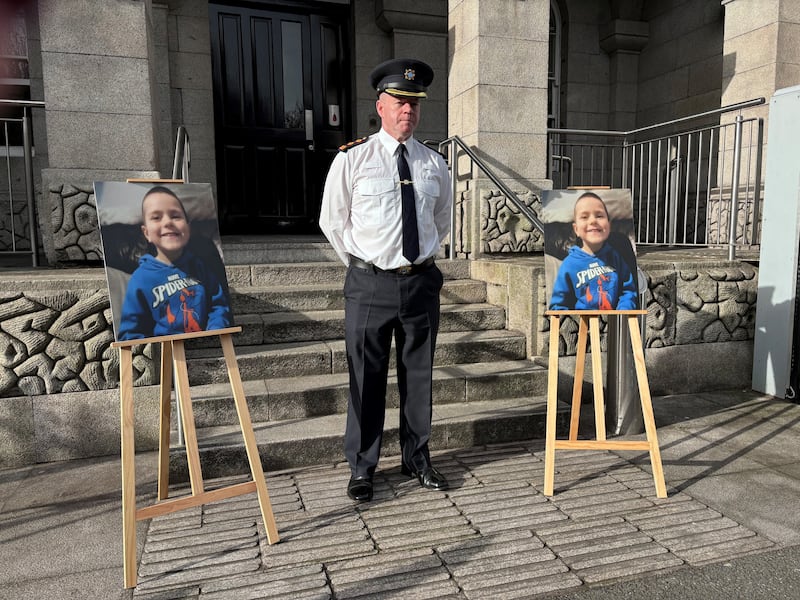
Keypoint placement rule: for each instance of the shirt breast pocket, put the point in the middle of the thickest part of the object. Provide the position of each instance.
(428, 191)
(372, 199)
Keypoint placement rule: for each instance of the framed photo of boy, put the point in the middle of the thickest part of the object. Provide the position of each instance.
(163, 258)
(590, 253)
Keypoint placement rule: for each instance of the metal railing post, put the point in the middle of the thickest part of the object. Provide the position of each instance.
(673, 200)
(183, 155)
(12, 225)
(734, 209)
(453, 184)
(625, 152)
(180, 170)
(757, 185)
(28, 152)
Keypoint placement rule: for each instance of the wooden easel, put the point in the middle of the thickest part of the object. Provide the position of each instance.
(173, 356)
(590, 322)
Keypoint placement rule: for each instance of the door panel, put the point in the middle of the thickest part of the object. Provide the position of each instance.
(280, 93)
(232, 164)
(267, 179)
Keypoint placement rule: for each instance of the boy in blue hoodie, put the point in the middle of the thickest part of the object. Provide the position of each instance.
(172, 291)
(593, 276)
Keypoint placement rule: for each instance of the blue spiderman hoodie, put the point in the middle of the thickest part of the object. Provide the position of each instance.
(601, 281)
(164, 299)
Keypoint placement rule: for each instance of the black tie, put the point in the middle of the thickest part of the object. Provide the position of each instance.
(410, 233)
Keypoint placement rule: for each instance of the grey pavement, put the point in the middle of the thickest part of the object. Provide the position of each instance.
(730, 527)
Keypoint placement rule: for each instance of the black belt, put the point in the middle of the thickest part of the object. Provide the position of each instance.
(406, 270)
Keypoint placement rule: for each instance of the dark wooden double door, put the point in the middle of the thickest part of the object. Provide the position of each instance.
(281, 109)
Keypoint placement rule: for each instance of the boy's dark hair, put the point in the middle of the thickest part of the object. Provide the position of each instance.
(587, 195)
(161, 189)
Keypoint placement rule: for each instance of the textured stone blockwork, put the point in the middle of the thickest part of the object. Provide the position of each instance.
(716, 304)
(689, 305)
(503, 226)
(57, 341)
(76, 236)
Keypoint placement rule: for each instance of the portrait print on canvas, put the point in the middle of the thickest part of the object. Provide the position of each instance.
(590, 255)
(163, 258)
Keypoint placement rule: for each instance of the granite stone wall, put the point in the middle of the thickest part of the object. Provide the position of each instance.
(486, 222)
(503, 226)
(687, 305)
(56, 335)
(73, 216)
(56, 331)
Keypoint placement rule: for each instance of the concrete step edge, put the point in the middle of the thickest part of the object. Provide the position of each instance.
(304, 397)
(247, 350)
(306, 442)
(324, 286)
(288, 359)
(469, 370)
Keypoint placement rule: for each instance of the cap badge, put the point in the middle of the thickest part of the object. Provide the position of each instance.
(409, 74)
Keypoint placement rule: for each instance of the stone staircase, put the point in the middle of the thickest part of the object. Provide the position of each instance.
(287, 296)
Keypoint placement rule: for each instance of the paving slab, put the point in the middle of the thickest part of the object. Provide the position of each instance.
(765, 576)
(732, 480)
(764, 500)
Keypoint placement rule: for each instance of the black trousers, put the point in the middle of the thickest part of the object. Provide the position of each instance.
(380, 306)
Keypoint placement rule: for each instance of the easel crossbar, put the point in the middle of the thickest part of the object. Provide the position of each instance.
(600, 445)
(170, 506)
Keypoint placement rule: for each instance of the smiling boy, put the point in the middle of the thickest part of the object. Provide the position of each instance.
(172, 291)
(593, 276)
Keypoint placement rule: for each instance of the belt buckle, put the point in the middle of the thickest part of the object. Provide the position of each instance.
(406, 270)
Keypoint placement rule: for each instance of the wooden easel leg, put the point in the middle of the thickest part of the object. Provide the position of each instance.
(597, 379)
(250, 443)
(577, 385)
(647, 407)
(127, 452)
(187, 416)
(552, 408)
(164, 421)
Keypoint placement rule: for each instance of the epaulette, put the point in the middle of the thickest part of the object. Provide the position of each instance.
(348, 145)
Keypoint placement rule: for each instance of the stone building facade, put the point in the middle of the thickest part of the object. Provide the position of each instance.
(119, 77)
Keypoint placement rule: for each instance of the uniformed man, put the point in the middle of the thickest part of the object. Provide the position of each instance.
(386, 210)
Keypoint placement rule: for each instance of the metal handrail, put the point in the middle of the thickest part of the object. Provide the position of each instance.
(627, 145)
(29, 103)
(716, 111)
(183, 155)
(180, 170)
(452, 144)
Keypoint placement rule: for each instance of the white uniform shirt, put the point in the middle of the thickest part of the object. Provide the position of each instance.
(362, 207)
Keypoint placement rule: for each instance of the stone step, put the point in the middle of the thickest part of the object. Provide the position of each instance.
(315, 273)
(247, 250)
(279, 399)
(327, 296)
(320, 440)
(322, 325)
(298, 359)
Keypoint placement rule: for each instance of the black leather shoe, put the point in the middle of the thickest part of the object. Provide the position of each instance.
(360, 488)
(429, 477)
